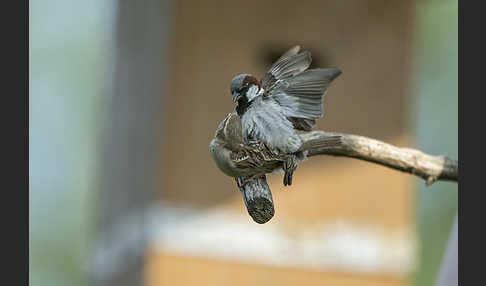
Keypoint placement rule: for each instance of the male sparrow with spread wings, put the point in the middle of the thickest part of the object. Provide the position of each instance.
(288, 98)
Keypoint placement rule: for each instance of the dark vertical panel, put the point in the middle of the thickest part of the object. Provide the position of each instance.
(130, 141)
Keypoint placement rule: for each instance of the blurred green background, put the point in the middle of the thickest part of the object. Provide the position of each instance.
(69, 52)
(435, 121)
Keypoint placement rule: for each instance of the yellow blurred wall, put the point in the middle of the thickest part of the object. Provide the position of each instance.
(166, 269)
(215, 40)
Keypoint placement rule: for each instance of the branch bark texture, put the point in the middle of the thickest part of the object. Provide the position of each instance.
(430, 168)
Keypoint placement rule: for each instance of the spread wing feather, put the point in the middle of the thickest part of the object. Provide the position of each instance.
(291, 63)
(302, 95)
(298, 90)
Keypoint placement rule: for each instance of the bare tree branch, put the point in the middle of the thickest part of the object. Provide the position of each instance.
(258, 197)
(430, 168)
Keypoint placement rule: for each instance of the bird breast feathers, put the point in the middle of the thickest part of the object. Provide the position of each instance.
(265, 120)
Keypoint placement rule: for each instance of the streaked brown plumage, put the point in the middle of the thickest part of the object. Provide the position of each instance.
(239, 160)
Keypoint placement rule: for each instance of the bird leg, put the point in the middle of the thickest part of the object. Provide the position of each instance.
(290, 162)
(289, 166)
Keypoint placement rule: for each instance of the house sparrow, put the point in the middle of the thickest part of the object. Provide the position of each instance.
(288, 98)
(248, 164)
(243, 161)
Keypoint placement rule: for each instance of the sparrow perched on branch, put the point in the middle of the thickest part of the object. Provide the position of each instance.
(288, 98)
(248, 164)
(235, 158)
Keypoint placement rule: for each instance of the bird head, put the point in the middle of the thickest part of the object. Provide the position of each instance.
(245, 87)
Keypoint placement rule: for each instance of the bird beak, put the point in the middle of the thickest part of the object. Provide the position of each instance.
(236, 96)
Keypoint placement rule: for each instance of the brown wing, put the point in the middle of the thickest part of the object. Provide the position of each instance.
(258, 156)
(232, 131)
